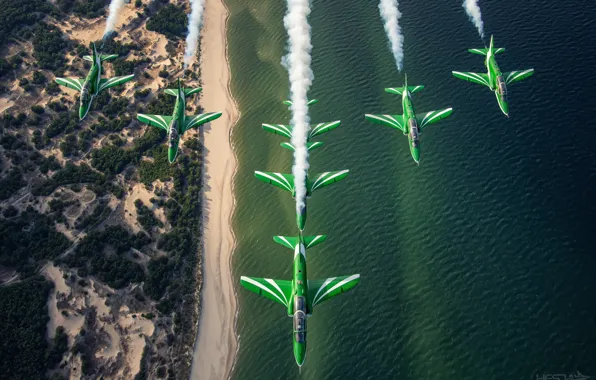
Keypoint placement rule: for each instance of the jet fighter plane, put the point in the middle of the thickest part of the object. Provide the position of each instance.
(93, 84)
(409, 123)
(286, 130)
(286, 182)
(494, 78)
(300, 295)
(178, 123)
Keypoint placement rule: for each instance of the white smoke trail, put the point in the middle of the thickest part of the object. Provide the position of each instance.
(297, 62)
(195, 19)
(115, 7)
(473, 11)
(391, 16)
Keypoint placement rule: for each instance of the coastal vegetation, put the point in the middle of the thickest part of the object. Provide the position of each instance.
(64, 187)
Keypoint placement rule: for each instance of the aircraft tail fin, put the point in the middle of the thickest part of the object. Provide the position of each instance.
(281, 180)
(102, 57)
(310, 102)
(309, 146)
(291, 242)
(400, 90)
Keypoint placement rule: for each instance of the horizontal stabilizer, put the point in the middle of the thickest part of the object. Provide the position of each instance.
(292, 242)
(485, 51)
(309, 146)
(326, 179)
(187, 91)
(102, 57)
(279, 291)
(281, 180)
(310, 102)
(322, 290)
(400, 90)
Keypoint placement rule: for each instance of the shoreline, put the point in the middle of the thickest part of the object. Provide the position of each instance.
(216, 342)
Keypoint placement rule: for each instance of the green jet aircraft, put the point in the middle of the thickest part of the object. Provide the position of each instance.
(409, 123)
(286, 182)
(300, 295)
(494, 79)
(286, 130)
(93, 84)
(178, 123)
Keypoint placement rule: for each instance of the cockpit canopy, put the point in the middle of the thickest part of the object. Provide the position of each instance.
(173, 132)
(413, 124)
(300, 318)
(502, 86)
(85, 93)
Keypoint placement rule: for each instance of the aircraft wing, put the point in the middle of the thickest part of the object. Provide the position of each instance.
(74, 83)
(321, 128)
(326, 179)
(158, 121)
(427, 118)
(393, 121)
(279, 129)
(479, 78)
(281, 180)
(196, 120)
(104, 84)
(322, 290)
(279, 291)
(516, 76)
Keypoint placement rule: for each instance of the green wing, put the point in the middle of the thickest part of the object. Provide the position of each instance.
(473, 77)
(427, 118)
(74, 83)
(516, 76)
(111, 82)
(321, 128)
(171, 91)
(485, 51)
(323, 290)
(283, 181)
(393, 121)
(196, 120)
(279, 129)
(326, 179)
(311, 241)
(158, 121)
(279, 291)
(400, 90)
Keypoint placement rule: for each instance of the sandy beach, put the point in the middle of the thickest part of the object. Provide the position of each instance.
(216, 343)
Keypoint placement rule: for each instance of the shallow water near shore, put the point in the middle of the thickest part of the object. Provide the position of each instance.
(480, 262)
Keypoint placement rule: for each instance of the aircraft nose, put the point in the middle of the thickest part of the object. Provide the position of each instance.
(82, 113)
(300, 353)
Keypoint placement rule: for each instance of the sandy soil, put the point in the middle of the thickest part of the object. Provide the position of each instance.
(73, 322)
(216, 344)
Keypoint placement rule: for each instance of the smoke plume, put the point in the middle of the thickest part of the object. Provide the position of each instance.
(115, 7)
(195, 19)
(473, 11)
(297, 62)
(391, 16)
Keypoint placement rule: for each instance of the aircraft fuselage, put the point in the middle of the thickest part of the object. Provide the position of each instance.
(175, 129)
(90, 86)
(299, 308)
(411, 124)
(496, 80)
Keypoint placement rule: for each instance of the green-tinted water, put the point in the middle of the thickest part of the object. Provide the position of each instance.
(476, 264)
